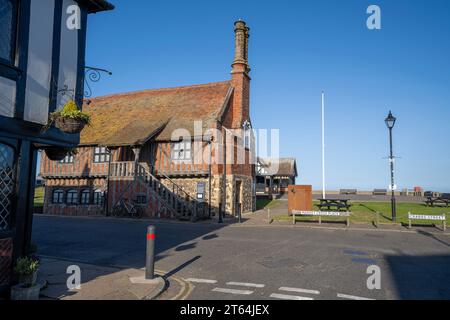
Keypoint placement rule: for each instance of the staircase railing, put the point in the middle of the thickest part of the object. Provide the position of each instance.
(179, 200)
(174, 198)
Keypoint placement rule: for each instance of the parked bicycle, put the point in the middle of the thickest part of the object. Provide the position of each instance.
(125, 208)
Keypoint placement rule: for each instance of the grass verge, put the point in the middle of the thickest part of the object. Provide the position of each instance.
(39, 197)
(365, 212)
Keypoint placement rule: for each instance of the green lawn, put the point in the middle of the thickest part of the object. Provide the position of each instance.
(265, 203)
(365, 212)
(39, 197)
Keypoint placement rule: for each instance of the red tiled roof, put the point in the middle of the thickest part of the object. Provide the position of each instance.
(133, 118)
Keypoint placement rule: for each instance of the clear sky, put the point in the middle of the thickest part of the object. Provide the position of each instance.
(297, 49)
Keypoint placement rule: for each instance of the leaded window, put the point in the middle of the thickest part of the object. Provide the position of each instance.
(72, 197)
(98, 197)
(58, 196)
(7, 176)
(85, 195)
(182, 150)
(68, 159)
(8, 26)
(101, 155)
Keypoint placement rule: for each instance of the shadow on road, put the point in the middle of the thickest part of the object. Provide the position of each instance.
(421, 277)
(181, 267)
(115, 242)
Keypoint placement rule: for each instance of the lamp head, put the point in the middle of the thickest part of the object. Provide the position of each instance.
(390, 120)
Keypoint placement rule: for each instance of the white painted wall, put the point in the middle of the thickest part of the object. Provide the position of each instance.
(7, 97)
(39, 61)
(68, 57)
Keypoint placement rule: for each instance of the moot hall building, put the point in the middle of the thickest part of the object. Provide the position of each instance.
(131, 153)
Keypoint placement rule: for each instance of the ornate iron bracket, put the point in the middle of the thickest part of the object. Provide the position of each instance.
(92, 74)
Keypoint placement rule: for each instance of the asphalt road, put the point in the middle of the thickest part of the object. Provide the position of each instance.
(232, 262)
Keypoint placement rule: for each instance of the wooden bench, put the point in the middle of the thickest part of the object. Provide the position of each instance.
(348, 191)
(427, 217)
(321, 214)
(379, 192)
(444, 199)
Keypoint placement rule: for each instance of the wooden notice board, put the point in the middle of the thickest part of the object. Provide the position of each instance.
(299, 198)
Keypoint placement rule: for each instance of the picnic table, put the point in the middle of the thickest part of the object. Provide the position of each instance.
(443, 199)
(337, 204)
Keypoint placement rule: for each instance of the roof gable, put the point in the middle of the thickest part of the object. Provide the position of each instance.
(132, 118)
(282, 166)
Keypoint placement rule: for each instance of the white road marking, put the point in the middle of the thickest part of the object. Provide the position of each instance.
(245, 284)
(299, 290)
(201, 280)
(233, 291)
(288, 297)
(347, 296)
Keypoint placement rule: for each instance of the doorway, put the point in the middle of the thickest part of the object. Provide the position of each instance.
(238, 198)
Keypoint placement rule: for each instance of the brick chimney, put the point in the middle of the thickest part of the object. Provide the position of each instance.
(240, 78)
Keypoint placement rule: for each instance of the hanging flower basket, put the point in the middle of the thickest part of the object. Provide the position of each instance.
(69, 125)
(56, 153)
(70, 119)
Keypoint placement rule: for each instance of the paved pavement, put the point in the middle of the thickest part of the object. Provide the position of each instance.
(96, 282)
(261, 262)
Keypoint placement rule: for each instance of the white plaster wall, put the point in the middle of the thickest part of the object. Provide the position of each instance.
(68, 57)
(39, 61)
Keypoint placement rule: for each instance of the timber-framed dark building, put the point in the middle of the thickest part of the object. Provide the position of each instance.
(39, 56)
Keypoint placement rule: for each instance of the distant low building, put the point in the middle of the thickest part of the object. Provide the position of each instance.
(274, 175)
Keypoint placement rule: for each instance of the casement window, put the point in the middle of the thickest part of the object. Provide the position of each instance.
(8, 29)
(58, 196)
(101, 155)
(141, 199)
(182, 150)
(68, 159)
(85, 196)
(99, 196)
(72, 197)
(247, 134)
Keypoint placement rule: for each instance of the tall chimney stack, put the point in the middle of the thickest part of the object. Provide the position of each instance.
(242, 33)
(240, 78)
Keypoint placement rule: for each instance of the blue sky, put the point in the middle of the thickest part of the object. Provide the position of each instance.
(298, 49)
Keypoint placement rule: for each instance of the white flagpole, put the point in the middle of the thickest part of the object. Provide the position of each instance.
(323, 145)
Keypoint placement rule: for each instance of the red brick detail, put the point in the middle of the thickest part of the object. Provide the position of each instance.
(6, 248)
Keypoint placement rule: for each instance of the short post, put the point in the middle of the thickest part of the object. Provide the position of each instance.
(348, 220)
(445, 223)
(320, 220)
(150, 254)
(378, 219)
(409, 220)
(240, 212)
(268, 216)
(293, 217)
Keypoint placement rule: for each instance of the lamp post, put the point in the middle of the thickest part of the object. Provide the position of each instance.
(390, 122)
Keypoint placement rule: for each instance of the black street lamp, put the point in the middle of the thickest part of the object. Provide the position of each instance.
(390, 122)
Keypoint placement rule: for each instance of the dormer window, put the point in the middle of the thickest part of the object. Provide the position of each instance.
(182, 150)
